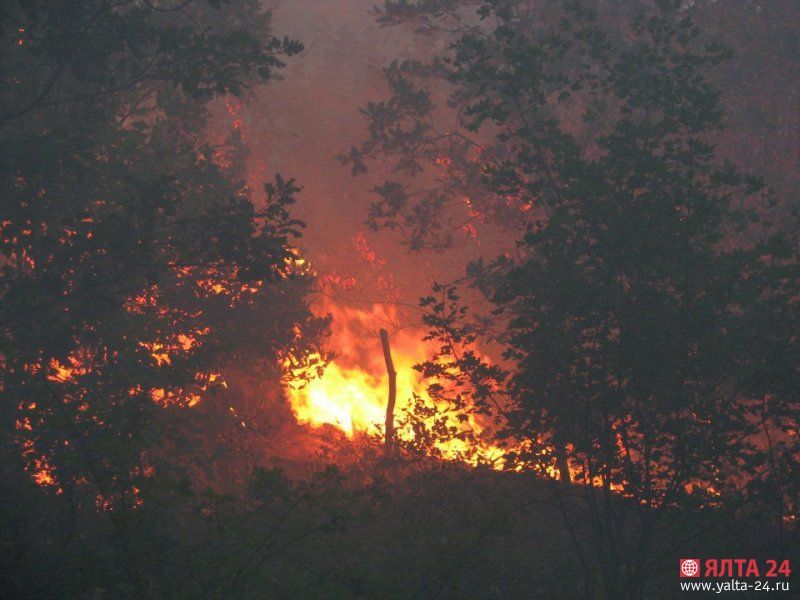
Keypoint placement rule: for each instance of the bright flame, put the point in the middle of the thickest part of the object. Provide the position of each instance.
(343, 397)
(353, 391)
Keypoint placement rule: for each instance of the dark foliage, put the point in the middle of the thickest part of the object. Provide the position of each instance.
(645, 266)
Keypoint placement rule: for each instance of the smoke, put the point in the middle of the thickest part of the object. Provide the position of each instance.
(298, 125)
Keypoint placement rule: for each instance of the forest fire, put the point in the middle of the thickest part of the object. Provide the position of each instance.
(351, 394)
(345, 397)
(399, 298)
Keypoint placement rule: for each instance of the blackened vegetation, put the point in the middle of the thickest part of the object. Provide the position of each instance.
(644, 313)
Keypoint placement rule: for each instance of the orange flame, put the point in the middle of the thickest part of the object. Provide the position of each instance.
(352, 392)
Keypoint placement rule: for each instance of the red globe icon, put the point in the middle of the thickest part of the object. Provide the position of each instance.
(690, 567)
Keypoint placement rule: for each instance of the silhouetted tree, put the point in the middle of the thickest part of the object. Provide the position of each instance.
(645, 270)
(135, 262)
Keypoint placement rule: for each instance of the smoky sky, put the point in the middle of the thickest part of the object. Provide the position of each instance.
(298, 125)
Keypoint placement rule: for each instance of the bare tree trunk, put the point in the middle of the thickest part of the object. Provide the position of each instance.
(563, 465)
(387, 355)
